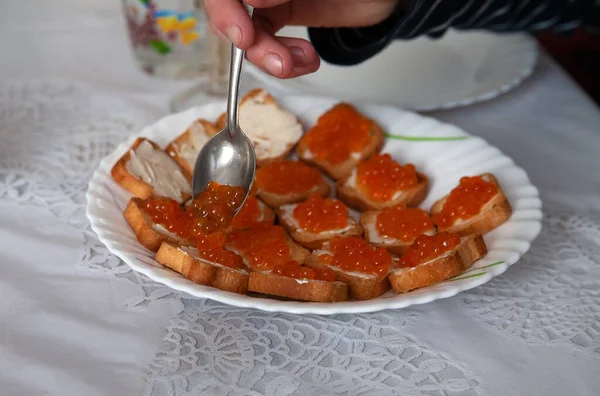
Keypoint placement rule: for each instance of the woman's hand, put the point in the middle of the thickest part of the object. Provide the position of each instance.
(286, 57)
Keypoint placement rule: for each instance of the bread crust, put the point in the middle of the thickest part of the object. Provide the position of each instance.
(276, 200)
(339, 171)
(397, 248)
(137, 187)
(268, 99)
(304, 290)
(356, 199)
(146, 235)
(172, 148)
(361, 288)
(493, 214)
(451, 264)
(202, 272)
(315, 241)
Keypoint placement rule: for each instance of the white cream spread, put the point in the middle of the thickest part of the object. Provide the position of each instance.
(351, 182)
(270, 128)
(190, 148)
(162, 230)
(157, 169)
(356, 274)
(193, 252)
(261, 209)
(307, 154)
(376, 237)
(287, 213)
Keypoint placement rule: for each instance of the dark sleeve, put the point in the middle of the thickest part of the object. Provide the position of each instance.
(350, 46)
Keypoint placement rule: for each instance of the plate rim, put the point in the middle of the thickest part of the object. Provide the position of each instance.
(525, 73)
(180, 283)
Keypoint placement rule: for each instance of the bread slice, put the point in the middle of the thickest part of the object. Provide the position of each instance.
(450, 264)
(346, 190)
(340, 170)
(147, 171)
(362, 286)
(276, 200)
(493, 214)
(273, 130)
(297, 252)
(297, 289)
(186, 146)
(282, 174)
(368, 220)
(187, 262)
(267, 215)
(149, 234)
(285, 215)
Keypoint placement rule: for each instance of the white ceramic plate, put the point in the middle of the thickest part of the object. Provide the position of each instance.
(445, 162)
(459, 69)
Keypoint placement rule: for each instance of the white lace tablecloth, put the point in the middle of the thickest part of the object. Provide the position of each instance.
(74, 320)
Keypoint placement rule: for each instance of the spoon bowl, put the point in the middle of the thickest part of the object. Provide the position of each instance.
(228, 158)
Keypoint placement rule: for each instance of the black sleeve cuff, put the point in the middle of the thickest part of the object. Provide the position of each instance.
(350, 46)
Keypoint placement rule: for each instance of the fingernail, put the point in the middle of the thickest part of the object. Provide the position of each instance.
(298, 55)
(273, 64)
(235, 35)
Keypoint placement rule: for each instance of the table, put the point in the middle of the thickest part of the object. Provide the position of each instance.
(76, 321)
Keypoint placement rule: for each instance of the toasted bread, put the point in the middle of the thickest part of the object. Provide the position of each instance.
(266, 215)
(147, 171)
(347, 191)
(338, 171)
(368, 220)
(308, 239)
(277, 175)
(186, 146)
(276, 200)
(297, 289)
(150, 235)
(448, 265)
(297, 252)
(493, 214)
(273, 130)
(187, 262)
(362, 286)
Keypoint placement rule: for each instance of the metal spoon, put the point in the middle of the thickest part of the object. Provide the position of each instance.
(228, 158)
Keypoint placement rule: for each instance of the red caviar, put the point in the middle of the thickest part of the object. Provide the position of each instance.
(204, 221)
(287, 177)
(426, 248)
(318, 214)
(294, 270)
(216, 205)
(338, 133)
(263, 246)
(223, 257)
(250, 214)
(354, 254)
(403, 223)
(466, 200)
(380, 177)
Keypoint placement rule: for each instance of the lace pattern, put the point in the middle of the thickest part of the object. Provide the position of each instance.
(213, 349)
(554, 293)
(552, 296)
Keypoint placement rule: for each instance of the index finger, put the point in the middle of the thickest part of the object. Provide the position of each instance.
(231, 19)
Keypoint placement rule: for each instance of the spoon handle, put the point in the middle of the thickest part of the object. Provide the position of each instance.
(235, 69)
